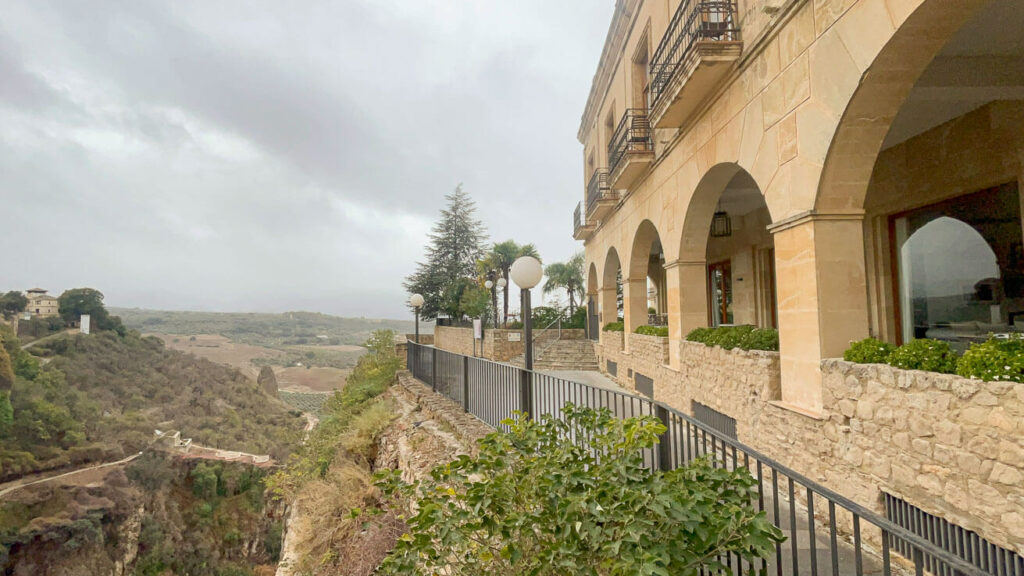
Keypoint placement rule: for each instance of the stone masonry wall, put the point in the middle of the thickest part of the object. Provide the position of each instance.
(497, 345)
(951, 446)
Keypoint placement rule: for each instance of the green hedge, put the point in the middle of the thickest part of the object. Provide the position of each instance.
(742, 337)
(615, 327)
(661, 331)
(998, 359)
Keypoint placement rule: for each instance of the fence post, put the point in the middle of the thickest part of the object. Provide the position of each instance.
(665, 441)
(433, 369)
(465, 384)
(526, 392)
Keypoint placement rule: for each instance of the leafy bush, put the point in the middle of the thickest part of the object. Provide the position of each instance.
(925, 354)
(999, 360)
(742, 337)
(615, 327)
(543, 504)
(869, 351)
(661, 331)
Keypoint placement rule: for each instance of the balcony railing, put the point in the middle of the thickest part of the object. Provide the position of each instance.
(577, 220)
(633, 136)
(695, 21)
(581, 229)
(597, 188)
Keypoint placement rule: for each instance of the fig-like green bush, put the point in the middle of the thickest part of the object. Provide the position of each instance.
(615, 327)
(997, 360)
(661, 331)
(925, 354)
(868, 351)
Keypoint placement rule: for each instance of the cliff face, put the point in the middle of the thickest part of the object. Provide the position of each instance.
(159, 515)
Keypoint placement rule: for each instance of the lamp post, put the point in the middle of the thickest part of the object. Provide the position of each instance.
(416, 301)
(501, 284)
(526, 273)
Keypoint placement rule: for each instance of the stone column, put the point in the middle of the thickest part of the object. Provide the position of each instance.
(687, 302)
(634, 300)
(822, 293)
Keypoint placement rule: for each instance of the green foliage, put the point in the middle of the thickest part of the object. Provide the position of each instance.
(151, 470)
(340, 416)
(869, 351)
(6, 370)
(660, 331)
(615, 327)
(577, 320)
(272, 541)
(499, 260)
(534, 501)
(6, 415)
(475, 302)
(925, 354)
(456, 243)
(13, 303)
(78, 301)
(205, 477)
(36, 328)
(996, 360)
(742, 337)
(567, 276)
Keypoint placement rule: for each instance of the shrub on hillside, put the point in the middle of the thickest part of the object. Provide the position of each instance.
(661, 331)
(925, 354)
(615, 327)
(997, 360)
(868, 351)
(548, 505)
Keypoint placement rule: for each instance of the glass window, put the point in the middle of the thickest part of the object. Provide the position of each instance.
(720, 288)
(959, 266)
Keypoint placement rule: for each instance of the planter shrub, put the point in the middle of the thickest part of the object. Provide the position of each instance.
(742, 337)
(869, 351)
(925, 354)
(660, 331)
(999, 360)
(615, 327)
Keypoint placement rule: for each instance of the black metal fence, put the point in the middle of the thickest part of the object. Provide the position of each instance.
(632, 136)
(826, 532)
(694, 21)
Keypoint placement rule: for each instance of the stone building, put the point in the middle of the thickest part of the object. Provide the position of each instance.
(41, 304)
(834, 169)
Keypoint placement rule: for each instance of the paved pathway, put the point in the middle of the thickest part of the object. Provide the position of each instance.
(15, 485)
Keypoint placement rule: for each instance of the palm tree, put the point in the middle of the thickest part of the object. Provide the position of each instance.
(568, 276)
(499, 259)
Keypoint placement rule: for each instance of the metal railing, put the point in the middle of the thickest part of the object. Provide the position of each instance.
(693, 22)
(632, 136)
(577, 219)
(596, 188)
(826, 532)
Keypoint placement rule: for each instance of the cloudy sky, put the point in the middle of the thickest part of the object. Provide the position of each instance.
(272, 156)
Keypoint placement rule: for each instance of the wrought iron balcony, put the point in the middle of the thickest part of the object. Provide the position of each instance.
(581, 229)
(600, 198)
(631, 149)
(699, 48)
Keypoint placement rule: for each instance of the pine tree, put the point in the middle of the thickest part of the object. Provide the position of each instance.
(456, 243)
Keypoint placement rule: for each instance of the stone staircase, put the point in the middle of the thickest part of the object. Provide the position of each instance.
(563, 355)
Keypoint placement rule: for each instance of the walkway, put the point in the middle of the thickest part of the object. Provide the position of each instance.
(22, 483)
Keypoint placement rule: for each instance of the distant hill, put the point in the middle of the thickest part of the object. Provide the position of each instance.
(261, 329)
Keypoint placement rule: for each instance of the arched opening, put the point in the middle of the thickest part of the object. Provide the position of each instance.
(646, 289)
(945, 177)
(725, 233)
(611, 304)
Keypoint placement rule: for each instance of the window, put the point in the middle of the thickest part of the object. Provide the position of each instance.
(720, 293)
(960, 268)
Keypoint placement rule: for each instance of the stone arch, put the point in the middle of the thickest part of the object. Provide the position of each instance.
(883, 90)
(608, 302)
(592, 284)
(646, 272)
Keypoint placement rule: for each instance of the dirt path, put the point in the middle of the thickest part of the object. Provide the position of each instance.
(16, 484)
(50, 337)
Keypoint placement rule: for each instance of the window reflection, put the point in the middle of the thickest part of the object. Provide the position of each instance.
(959, 265)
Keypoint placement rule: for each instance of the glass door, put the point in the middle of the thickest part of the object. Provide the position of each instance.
(720, 293)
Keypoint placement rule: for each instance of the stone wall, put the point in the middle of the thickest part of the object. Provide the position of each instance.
(951, 446)
(498, 345)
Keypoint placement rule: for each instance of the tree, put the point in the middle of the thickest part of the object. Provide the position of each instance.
(13, 302)
(567, 276)
(475, 302)
(500, 258)
(6, 415)
(6, 371)
(535, 500)
(456, 243)
(75, 303)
